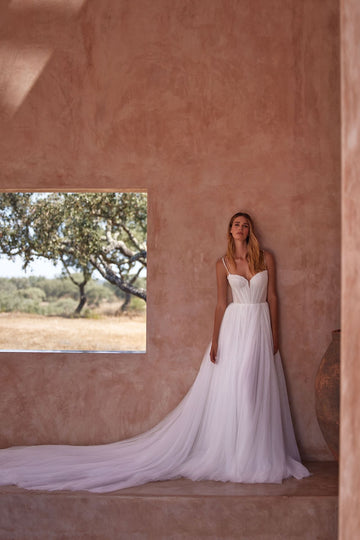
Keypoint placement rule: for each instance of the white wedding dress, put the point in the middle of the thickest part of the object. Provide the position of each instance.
(233, 425)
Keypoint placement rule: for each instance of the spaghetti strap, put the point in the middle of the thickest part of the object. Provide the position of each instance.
(224, 263)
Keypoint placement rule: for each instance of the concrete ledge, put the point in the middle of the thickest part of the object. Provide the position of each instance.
(180, 509)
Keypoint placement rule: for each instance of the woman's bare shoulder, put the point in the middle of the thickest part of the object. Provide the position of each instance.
(269, 258)
(220, 264)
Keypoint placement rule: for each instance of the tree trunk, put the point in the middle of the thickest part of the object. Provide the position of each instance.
(126, 302)
(83, 298)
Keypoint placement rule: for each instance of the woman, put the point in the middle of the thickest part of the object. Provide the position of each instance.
(234, 424)
(245, 259)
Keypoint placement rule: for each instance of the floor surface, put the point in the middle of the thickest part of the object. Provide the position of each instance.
(179, 509)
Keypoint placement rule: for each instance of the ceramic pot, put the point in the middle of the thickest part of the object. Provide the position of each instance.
(327, 394)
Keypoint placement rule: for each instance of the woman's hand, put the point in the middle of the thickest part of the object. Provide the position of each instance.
(213, 352)
(275, 344)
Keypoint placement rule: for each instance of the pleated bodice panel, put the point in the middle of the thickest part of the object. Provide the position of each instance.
(253, 291)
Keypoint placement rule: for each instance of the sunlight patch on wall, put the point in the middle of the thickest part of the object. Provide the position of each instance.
(20, 68)
(21, 63)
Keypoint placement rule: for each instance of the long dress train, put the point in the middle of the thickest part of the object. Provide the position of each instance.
(234, 424)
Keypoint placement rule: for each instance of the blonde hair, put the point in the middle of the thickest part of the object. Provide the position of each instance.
(255, 256)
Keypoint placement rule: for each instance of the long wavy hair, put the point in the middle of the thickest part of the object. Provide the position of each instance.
(255, 256)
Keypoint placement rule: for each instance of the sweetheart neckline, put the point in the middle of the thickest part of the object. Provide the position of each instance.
(248, 280)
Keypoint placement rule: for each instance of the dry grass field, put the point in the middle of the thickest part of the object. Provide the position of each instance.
(35, 332)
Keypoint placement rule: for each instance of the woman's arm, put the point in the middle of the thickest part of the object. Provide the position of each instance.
(221, 302)
(272, 299)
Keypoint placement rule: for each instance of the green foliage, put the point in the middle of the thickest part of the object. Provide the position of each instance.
(59, 287)
(139, 282)
(9, 301)
(64, 307)
(58, 296)
(97, 293)
(84, 231)
(33, 293)
(90, 314)
(136, 304)
(7, 285)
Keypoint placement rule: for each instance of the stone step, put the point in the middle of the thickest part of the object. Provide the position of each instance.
(179, 509)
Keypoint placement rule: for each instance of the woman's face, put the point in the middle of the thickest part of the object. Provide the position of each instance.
(240, 228)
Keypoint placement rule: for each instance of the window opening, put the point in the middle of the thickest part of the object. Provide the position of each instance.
(73, 271)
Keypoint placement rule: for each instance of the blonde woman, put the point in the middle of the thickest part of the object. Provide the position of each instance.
(234, 424)
(243, 258)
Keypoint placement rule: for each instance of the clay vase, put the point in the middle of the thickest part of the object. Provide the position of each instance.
(327, 394)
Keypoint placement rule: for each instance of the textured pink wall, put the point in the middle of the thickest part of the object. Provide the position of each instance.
(212, 107)
(350, 302)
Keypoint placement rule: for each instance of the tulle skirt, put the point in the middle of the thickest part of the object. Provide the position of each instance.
(234, 425)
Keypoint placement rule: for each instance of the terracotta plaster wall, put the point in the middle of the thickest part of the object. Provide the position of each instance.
(350, 300)
(211, 107)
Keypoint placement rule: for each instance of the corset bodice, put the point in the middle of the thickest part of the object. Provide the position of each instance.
(253, 291)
